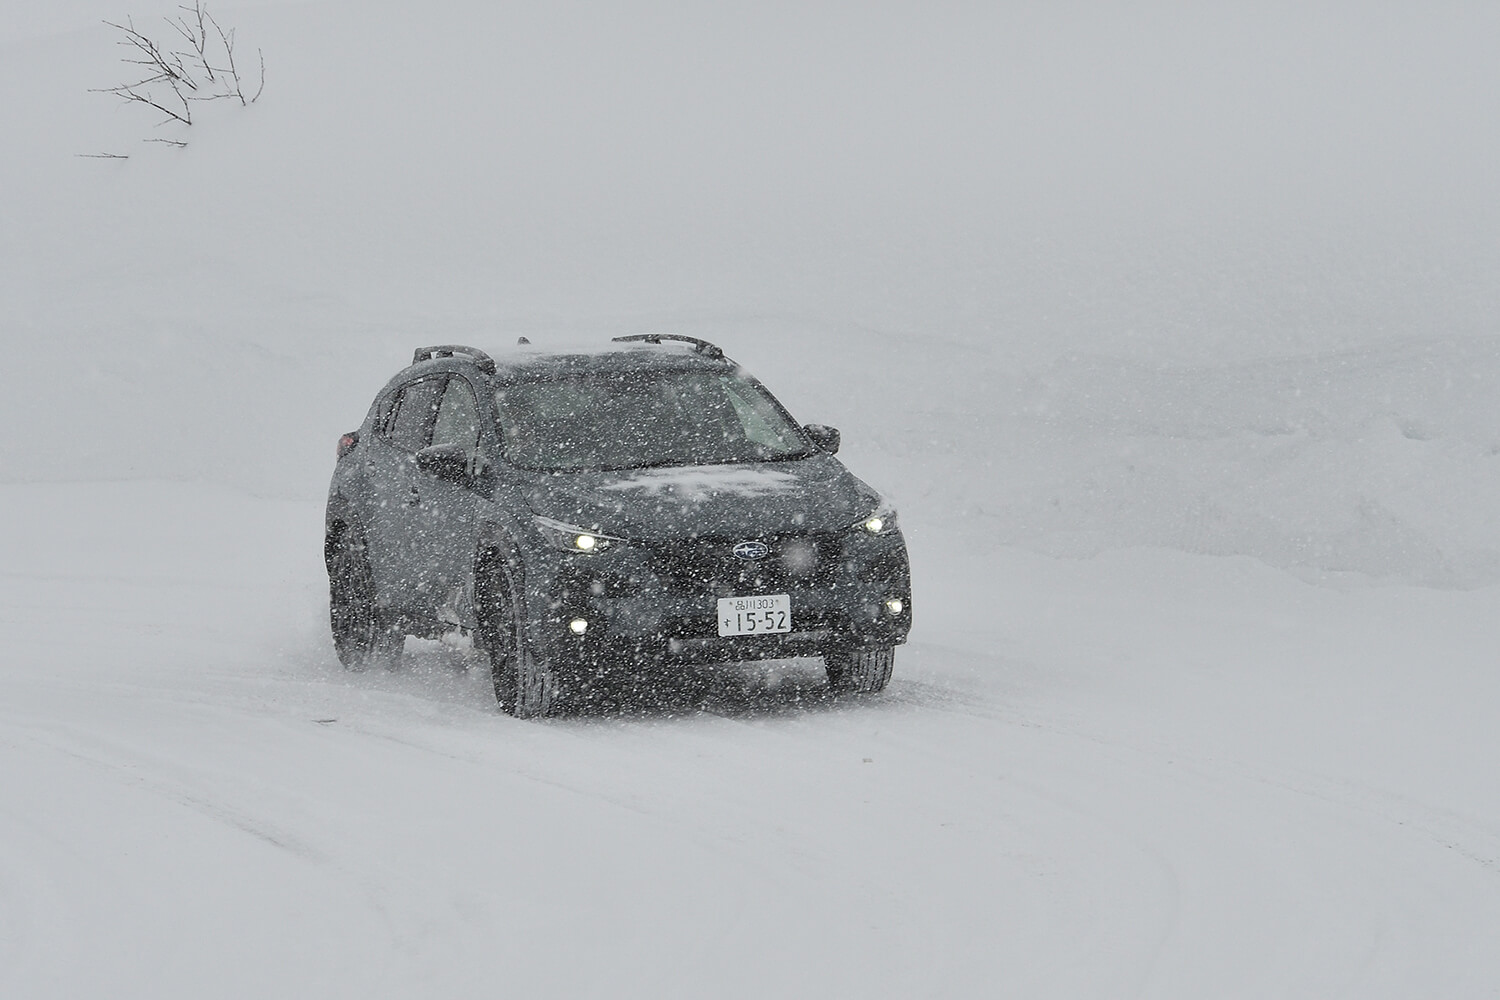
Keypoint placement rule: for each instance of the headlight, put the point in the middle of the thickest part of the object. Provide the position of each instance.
(881, 521)
(572, 538)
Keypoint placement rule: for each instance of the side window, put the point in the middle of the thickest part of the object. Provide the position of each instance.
(458, 420)
(762, 423)
(411, 423)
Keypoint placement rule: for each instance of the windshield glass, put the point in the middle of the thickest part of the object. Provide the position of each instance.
(633, 420)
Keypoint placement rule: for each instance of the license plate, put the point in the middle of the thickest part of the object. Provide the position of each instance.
(764, 614)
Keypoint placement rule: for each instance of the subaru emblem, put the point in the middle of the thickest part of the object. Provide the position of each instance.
(751, 550)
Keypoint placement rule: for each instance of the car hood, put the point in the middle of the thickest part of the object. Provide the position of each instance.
(743, 501)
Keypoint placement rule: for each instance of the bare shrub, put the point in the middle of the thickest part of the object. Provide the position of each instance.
(174, 80)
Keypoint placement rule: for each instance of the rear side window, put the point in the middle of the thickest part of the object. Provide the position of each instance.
(410, 426)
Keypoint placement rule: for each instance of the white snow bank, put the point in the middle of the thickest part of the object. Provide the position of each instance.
(1383, 461)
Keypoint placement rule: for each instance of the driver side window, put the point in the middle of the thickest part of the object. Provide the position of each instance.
(458, 420)
(763, 426)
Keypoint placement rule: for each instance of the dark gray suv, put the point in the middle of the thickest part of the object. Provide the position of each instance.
(593, 515)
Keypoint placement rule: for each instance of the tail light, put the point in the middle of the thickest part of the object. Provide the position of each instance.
(347, 443)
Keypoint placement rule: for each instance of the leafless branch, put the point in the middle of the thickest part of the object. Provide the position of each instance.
(196, 34)
(102, 156)
(173, 79)
(262, 87)
(168, 65)
(130, 93)
(227, 38)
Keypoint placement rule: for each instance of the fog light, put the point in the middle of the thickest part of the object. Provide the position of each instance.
(875, 525)
(578, 626)
(894, 605)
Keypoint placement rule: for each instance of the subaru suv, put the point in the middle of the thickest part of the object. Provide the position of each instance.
(587, 516)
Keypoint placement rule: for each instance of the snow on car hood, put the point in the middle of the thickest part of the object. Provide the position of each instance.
(705, 481)
(771, 498)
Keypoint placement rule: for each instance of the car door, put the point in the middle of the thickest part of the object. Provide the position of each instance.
(394, 512)
(448, 511)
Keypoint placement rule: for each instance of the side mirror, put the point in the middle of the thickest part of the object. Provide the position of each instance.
(825, 437)
(445, 461)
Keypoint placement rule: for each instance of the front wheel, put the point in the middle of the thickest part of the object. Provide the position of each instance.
(525, 685)
(862, 671)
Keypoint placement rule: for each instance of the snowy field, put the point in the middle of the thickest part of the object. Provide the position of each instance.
(1171, 334)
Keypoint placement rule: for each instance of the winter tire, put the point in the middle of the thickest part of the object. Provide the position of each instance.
(525, 686)
(861, 671)
(360, 638)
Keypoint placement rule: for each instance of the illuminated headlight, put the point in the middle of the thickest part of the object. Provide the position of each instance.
(881, 522)
(572, 538)
(895, 605)
(578, 626)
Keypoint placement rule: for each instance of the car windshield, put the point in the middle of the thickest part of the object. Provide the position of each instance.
(633, 420)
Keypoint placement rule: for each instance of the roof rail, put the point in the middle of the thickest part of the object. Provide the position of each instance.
(484, 361)
(702, 347)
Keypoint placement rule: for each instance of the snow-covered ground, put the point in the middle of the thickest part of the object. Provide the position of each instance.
(1170, 332)
(1146, 773)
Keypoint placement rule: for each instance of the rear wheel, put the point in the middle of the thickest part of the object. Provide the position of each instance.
(525, 685)
(362, 638)
(863, 670)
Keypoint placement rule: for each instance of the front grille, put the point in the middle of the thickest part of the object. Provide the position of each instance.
(709, 565)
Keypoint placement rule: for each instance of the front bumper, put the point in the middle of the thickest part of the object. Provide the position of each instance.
(657, 603)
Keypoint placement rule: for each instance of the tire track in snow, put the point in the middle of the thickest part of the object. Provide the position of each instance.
(1473, 841)
(1394, 910)
(33, 924)
(129, 767)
